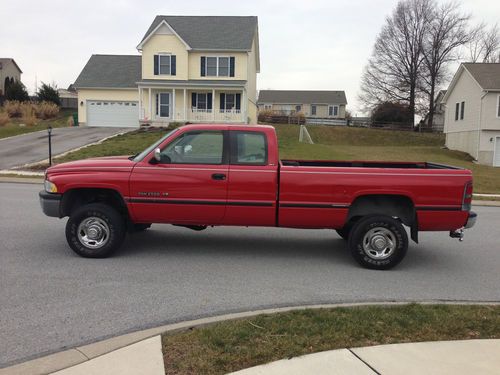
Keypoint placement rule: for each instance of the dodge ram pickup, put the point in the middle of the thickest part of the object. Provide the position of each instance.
(208, 175)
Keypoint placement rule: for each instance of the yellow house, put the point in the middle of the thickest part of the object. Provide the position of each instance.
(190, 69)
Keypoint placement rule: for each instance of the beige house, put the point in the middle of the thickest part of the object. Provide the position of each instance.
(9, 72)
(472, 116)
(320, 104)
(190, 69)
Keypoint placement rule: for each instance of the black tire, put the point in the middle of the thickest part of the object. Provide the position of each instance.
(140, 227)
(372, 231)
(95, 220)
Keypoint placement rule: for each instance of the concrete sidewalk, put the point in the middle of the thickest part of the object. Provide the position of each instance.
(443, 357)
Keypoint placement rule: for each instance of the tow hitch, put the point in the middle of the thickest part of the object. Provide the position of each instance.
(457, 234)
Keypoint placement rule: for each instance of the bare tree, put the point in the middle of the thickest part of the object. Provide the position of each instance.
(484, 45)
(392, 72)
(447, 31)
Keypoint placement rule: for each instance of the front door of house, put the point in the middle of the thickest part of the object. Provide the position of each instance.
(163, 105)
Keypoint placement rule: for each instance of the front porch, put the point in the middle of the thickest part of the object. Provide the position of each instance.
(160, 104)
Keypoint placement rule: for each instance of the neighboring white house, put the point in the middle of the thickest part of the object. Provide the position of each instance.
(9, 72)
(472, 116)
(439, 110)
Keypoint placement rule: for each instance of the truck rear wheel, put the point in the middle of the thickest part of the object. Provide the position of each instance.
(95, 230)
(378, 242)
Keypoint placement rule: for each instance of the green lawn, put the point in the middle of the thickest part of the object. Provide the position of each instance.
(233, 345)
(339, 143)
(13, 127)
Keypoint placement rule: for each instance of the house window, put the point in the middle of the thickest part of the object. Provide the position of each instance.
(202, 101)
(165, 64)
(457, 110)
(298, 108)
(163, 104)
(230, 102)
(268, 107)
(462, 111)
(333, 110)
(217, 66)
(313, 110)
(498, 107)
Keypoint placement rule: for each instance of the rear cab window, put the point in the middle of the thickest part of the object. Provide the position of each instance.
(248, 148)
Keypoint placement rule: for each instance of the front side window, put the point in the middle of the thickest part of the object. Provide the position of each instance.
(212, 66)
(298, 108)
(217, 66)
(313, 110)
(248, 148)
(223, 67)
(202, 101)
(457, 110)
(462, 111)
(163, 104)
(205, 147)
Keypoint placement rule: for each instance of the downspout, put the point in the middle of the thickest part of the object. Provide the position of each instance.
(485, 92)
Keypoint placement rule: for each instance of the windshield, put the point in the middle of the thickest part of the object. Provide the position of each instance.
(143, 154)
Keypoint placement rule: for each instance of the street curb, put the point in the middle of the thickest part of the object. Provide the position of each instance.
(20, 135)
(77, 355)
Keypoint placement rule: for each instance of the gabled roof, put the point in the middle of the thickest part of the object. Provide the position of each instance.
(229, 33)
(486, 74)
(5, 60)
(301, 97)
(110, 71)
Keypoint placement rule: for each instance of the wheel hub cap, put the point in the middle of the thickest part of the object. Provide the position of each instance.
(93, 232)
(379, 243)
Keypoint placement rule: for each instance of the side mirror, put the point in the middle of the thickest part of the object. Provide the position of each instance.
(158, 155)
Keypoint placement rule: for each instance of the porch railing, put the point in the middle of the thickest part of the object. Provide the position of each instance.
(217, 115)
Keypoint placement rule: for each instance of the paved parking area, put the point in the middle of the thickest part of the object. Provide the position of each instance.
(33, 147)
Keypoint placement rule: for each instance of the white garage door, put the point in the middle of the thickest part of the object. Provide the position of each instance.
(108, 113)
(496, 154)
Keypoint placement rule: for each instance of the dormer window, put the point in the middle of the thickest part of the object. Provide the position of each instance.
(164, 64)
(217, 66)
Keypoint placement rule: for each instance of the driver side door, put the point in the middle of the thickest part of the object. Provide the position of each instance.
(188, 185)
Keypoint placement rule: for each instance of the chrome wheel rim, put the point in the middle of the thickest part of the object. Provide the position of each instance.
(379, 243)
(93, 232)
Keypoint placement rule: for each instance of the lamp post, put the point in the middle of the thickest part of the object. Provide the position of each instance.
(49, 131)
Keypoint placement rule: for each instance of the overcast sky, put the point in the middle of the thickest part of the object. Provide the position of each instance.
(304, 44)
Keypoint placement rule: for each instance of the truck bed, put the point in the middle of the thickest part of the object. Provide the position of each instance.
(365, 164)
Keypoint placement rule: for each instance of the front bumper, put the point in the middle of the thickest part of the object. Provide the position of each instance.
(471, 221)
(50, 203)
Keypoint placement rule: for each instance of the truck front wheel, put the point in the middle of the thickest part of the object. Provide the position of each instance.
(95, 230)
(378, 242)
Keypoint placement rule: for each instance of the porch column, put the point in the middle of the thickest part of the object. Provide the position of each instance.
(150, 106)
(173, 104)
(245, 105)
(140, 103)
(185, 106)
(213, 105)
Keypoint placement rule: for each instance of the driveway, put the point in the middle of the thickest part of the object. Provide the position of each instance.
(33, 147)
(52, 299)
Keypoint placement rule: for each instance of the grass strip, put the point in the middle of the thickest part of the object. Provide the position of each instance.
(238, 344)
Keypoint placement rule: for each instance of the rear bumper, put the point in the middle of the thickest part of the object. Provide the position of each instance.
(471, 220)
(50, 203)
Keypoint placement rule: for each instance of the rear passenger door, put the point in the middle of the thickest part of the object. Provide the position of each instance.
(252, 180)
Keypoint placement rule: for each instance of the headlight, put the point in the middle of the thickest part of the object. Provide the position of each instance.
(50, 187)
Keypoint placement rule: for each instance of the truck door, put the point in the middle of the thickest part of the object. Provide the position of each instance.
(189, 185)
(252, 180)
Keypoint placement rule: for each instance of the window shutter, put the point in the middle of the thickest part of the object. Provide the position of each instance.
(157, 104)
(238, 101)
(156, 59)
(231, 66)
(193, 99)
(209, 100)
(222, 104)
(203, 73)
(173, 65)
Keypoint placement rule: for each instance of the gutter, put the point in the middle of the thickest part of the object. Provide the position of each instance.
(485, 92)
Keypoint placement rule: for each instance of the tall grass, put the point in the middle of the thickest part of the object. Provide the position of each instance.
(42, 110)
(4, 118)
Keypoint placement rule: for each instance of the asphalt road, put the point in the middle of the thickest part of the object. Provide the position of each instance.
(51, 299)
(33, 147)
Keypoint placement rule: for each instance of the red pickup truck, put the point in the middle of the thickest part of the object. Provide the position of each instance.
(206, 175)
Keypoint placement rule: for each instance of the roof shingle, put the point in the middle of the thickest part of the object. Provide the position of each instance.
(302, 97)
(211, 32)
(110, 71)
(486, 74)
